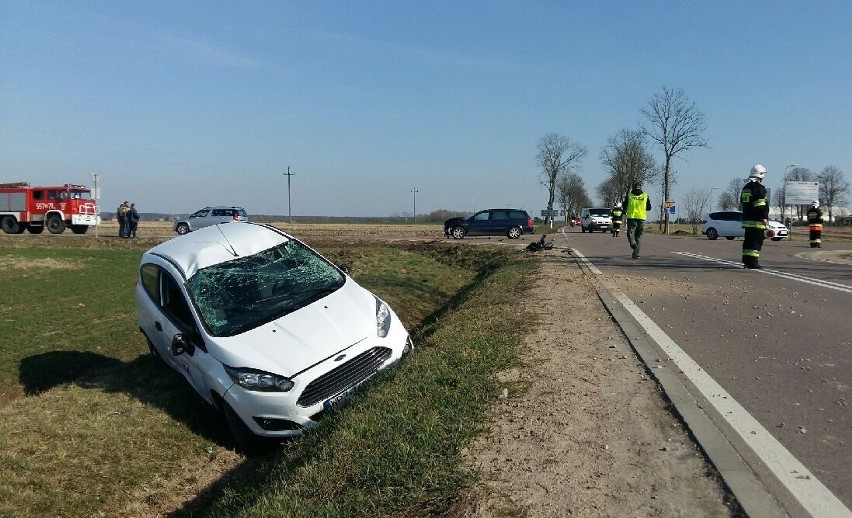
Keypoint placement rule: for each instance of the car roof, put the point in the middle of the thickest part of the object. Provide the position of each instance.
(217, 244)
(222, 207)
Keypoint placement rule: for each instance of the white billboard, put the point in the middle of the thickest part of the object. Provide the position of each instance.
(801, 193)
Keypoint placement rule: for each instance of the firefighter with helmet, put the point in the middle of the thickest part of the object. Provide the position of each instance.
(617, 215)
(815, 225)
(755, 216)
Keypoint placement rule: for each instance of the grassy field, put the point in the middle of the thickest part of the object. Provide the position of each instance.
(91, 425)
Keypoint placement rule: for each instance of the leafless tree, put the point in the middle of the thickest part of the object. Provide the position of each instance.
(609, 192)
(572, 194)
(628, 160)
(557, 156)
(729, 199)
(695, 204)
(833, 188)
(676, 125)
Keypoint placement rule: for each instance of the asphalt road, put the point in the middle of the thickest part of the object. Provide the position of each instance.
(779, 340)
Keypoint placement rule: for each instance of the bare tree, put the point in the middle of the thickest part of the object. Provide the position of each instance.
(628, 160)
(729, 199)
(609, 192)
(695, 204)
(572, 194)
(676, 125)
(557, 156)
(833, 188)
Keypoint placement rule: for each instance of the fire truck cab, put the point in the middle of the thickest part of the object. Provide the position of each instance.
(24, 207)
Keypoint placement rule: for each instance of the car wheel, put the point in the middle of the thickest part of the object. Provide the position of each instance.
(245, 440)
(729, 238)
(79, 229)
(514, 232)
(457, 232)
(712, 234)
(55, 225)
(182, 228)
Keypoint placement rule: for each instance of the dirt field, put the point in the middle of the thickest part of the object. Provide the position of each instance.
(592, 435)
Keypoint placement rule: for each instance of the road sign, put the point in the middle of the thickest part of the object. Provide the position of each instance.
(553, 212)
(670, 207)
(801, 193)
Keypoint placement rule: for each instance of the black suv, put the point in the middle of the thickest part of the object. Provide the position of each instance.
(491, 222)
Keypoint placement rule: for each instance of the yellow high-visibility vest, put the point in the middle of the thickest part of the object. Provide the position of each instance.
(637, 206)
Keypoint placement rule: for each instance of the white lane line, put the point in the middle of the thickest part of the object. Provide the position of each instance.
(588, 264)
(777, 273)
(801, 483)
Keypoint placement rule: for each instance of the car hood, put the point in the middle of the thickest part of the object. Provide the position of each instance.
(305, 337)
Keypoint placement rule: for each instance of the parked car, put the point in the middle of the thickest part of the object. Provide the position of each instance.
(209, 216)
(595, 218)
(263, 327)
(491, 222)
(575, 222)
(728, 224)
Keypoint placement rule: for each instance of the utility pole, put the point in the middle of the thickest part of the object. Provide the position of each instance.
(288, 174)
(96, 192)
(415, 191)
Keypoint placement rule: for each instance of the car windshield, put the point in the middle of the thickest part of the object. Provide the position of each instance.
(239, 295)
(599, 212)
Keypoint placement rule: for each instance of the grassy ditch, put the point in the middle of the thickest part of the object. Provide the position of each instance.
(90, 425)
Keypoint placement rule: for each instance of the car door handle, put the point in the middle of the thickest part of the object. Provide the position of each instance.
(158, 326)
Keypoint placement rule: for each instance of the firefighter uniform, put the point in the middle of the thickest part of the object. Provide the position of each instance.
(755, 215)
(815, 225)
(617, 214)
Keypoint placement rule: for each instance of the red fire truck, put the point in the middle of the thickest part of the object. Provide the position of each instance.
(23, 207)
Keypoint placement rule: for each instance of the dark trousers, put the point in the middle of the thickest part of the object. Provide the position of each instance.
(635, 228)
(752, 243)
(816, 236)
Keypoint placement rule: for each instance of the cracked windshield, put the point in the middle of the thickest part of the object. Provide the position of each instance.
(242, 294)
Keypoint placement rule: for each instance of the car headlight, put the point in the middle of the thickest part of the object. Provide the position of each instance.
(257, 380)
(383, 318)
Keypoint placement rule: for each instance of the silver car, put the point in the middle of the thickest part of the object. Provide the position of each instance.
(209, 216)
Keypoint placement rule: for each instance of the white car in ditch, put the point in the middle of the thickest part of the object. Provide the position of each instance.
(263, 327)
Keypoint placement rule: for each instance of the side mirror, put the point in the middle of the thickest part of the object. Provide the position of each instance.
(180, 345)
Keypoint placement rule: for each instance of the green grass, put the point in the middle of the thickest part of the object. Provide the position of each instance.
(90, 424)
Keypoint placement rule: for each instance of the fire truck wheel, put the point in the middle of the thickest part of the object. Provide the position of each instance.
(79, 229)
(35, 229)
(55, 225)
(182, 228)
(10, 225)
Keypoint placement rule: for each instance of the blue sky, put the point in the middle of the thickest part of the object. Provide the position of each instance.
(181, 104)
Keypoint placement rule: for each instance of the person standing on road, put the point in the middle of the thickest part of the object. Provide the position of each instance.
(132, 220)
(755, 216)
(636, 207)
(617, 214)
(815, 225)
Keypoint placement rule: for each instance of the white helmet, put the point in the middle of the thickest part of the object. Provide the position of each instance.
(758, 171)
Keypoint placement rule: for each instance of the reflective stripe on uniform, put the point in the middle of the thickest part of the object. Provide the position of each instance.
(760, 203)
(751, 253)
(753, 224)
(817, 227)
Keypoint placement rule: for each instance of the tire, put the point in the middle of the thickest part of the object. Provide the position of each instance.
(712, 234)
(35, 229)
(55, 225)
(79, 229)
(729, 238)
(245, 440)
(182, 228)
(514, 232)
(10, 225)
(457, 232)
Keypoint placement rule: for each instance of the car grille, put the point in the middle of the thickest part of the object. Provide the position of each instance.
(344, 377)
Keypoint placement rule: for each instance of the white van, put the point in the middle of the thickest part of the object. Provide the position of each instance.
(596, 218)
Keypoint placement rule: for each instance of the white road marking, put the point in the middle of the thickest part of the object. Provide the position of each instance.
(588, 264)
(791, 276)
(802, 484)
